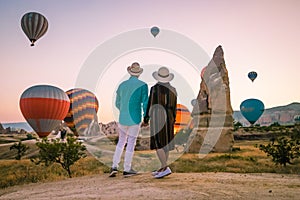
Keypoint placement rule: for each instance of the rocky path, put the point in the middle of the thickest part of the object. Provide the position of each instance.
(176, 186)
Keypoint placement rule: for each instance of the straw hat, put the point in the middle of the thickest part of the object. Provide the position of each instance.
(163, 75)
(135, 69)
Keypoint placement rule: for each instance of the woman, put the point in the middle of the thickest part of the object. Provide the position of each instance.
(161, 111)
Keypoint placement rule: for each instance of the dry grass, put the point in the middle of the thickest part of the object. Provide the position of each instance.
(244, 159)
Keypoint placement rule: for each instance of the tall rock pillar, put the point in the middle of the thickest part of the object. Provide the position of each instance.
(212, 111)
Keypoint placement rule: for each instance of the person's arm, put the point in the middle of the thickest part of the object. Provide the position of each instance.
(145, 98)
(146, 116)
(175, 105)
(118, 99)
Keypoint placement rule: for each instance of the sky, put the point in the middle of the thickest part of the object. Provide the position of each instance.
(256, 35)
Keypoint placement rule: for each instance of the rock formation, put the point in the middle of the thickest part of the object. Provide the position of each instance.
(212, 111)
(284, 115)
(1, 127)
(110, 129)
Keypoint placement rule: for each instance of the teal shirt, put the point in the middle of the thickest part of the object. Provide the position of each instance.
(132, 97)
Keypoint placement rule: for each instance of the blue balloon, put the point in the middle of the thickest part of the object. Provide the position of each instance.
(252, 75)
(154, 31)
(252, 109)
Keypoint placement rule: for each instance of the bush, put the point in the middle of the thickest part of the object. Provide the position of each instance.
(63, 153)
(21, 149)
(282, 150)
(275, 124)
(237, 125)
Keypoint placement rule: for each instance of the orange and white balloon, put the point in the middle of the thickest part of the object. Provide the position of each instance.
(183, 117)
(44, 107)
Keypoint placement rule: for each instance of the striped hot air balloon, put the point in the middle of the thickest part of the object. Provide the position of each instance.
(83, 110)
(44, 107)
(34, 26)
(183, 117)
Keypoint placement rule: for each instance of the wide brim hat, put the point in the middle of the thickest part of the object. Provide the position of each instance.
(163, 75)
(135, 69)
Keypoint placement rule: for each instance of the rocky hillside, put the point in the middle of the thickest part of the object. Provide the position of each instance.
(284, 115)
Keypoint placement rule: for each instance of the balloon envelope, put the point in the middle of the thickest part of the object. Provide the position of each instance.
(203, 71)
(34, 25)
(44, 107)
(252, 75)
(83, 110)
(154, 31)
(183, 117)
(252, 109)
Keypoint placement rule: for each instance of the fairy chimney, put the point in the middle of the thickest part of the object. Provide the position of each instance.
(212, 108)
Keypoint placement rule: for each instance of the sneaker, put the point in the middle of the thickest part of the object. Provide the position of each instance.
(129, 173)
(113, 172)
(155, 172)
(164, 173)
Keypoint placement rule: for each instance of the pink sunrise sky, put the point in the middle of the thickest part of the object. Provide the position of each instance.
(259, 35)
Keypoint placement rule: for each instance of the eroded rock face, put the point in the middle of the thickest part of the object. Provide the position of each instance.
(110, 129)
(212, 109)
(214, 94)
(1, 127)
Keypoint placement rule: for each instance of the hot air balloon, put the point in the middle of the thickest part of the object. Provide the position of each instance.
(252, 109)
(203, 71)
(83, 110)
(154, 31)
(252, 75)
(183, 117)
(34, 26)
(44, 107)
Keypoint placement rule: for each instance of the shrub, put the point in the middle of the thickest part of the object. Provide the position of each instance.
(282, 150)
(21, 149)
(237, 125)
(63, 153)
(275, 124)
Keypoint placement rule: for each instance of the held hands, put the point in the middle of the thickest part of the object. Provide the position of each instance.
(144, 124)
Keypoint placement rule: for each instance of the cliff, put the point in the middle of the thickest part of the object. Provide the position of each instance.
(284, 115)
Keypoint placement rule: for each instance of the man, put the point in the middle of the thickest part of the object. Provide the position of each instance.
(132, 97)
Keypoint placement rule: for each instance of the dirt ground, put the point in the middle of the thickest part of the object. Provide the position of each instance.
(176, 186)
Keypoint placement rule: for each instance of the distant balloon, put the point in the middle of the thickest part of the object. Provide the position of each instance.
(183, 117)
(83, 110)
(154, 31)
(252, 109)
(34, 26)
(252, 75)
(44, 107)
(203, 71)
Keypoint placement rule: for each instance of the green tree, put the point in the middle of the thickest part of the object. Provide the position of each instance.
(21, 149)
(63, 153)
(237, 125)
(282, 150)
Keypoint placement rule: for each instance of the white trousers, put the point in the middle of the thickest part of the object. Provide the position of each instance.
(127, 134)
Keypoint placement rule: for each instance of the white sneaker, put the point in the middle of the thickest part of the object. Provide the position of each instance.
(164, 173)
(154, 173)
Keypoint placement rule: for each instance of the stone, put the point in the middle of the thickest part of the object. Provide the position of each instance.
(212, 111)
(1, 127)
